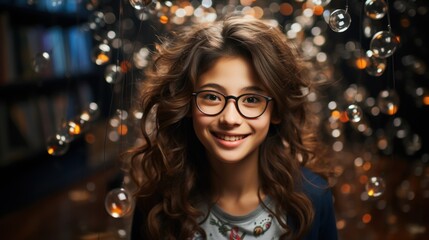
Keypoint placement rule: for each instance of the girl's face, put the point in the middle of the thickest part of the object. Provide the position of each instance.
(228, 136)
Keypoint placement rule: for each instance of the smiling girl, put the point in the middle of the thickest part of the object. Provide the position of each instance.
(230, 154)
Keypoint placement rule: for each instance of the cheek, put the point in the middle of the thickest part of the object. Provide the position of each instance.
(199, 120)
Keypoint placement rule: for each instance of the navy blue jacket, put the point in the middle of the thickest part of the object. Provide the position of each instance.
(324, 225)
(316, 188)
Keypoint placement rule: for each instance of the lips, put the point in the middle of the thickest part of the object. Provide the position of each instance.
(229, 138)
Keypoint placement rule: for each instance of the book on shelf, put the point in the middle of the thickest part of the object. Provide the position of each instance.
(79, 45)
(53, 42)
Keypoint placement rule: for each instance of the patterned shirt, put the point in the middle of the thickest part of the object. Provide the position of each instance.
(258, 224)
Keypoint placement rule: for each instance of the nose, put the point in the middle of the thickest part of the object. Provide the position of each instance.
(230, 115)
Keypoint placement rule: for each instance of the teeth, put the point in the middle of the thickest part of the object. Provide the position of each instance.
(230, 138)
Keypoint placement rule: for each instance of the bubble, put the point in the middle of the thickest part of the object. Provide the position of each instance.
(141, 4)
(57, 145)
(339, 20)
(375, 187)
(118, 203)
(383, 44)
(375, 9)
(388, 101)
(354, 113)
(321, 2)
(101, 54)
(41, 61)
(376, 66)
(112, 73)
(73, 128)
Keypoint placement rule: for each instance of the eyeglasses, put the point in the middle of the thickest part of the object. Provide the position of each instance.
(249, 105)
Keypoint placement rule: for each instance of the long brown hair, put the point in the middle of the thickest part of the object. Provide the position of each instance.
(170, 168)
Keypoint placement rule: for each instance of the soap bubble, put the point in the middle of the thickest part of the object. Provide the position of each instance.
(375, 187)
(383, 44)
(388, 101)
(118, 203)
(339, 20)
(354, 113)
(41, 61)
(57, 145)
(376, 66)
(375, 9)
(141, 4)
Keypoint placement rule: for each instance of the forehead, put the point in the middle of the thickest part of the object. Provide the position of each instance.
(229, 74)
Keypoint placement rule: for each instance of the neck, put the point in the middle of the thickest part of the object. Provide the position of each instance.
(236, 186)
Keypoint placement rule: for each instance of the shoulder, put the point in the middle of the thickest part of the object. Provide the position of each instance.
(319, 192)
(314, 185)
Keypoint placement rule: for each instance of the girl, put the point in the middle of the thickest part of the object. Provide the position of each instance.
(229, 152)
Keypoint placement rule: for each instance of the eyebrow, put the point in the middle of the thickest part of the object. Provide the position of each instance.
(221, 88)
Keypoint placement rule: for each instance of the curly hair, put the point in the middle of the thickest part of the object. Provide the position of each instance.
(169, 168)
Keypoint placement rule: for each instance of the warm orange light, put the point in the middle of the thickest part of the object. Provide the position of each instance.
(371, 192)
(125, 66)
(361, 63)
(318, 10)
(74, 129)
(343, 117)
(102, 58)
(398, 38)
(90, 138)
(246, 2)
(336, 114)
(116, 210)
(341, 224)
(392, 109)
(426, 100)
(286, 9)
(51, 150)
(163, 19)
(363, 179)
(366, 166)
(122, 129)
(346, 188)
(366, 218)
(259, 12)
(173, 9)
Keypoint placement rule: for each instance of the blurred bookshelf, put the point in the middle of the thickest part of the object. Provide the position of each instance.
(46, 78)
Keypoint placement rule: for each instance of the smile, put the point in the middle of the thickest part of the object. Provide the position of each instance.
(230, 138)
